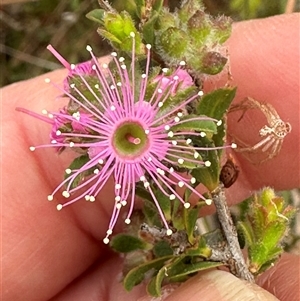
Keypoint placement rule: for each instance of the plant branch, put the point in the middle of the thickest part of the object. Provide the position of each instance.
(237, 263)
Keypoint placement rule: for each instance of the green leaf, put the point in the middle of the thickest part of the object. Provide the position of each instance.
(162, 248)
(246, 231)
(152, 216)
(208, 176)
(140, 8)
(258, 220)
(137, 275)
(107, 35)
(177, 215)
(148, 29)
(86, 95)
(96, 15)
(77, 164)
(164, 203)
(273, 233)
(190, 219)
(154, 286)
(157, 5)
(207, 126)
(186, 269)
(125, 243)
(216, 103)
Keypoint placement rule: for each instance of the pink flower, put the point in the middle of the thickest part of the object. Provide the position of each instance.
(184, 81)
(83, 69)
(126, 136)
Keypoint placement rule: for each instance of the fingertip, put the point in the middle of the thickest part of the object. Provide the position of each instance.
(219, 285)
(283, 280)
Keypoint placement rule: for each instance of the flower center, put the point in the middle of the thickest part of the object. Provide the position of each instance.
(130, 140)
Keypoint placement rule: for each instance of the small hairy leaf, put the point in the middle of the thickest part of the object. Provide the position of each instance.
(96, 15)
(125, 243)
(137, 275)
(77, 164)
(191, 268)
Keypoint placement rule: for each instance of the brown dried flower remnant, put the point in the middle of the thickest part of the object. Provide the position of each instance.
(273, 133)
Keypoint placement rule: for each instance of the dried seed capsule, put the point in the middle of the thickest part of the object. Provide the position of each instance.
(229, 172)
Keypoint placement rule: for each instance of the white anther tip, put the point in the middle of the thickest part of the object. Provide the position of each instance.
(208, 201)
(106, 240)
(59, 207)
(127, 221)
(169, 232)
(207, 163)
(68, 171)
(180, 161)
(187, 205)
(180, 184)
(88, 48)
(50, 197)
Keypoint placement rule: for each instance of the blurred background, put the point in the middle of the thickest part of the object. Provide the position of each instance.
(28, 26)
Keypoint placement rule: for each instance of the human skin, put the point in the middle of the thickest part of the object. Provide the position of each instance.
(59, 256)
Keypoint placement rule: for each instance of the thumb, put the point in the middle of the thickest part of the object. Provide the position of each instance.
(215, 285)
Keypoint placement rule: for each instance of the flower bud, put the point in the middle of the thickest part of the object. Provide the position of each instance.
(199, 27)
(265, 228)
(165, 21)
(189, 8)
(213, 63)
(118, 28)
(173, 43)
(222, 29)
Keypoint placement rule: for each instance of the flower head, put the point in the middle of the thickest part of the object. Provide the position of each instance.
(121, 132)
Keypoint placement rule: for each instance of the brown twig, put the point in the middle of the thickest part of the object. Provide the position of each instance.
(237, 263)
(290, 6)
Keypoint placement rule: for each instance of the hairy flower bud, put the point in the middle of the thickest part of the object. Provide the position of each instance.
(222, 28)
(165, 21)
(174, 43)
(199, 27)
(213, 63)
(188, 8)
(265, 228)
